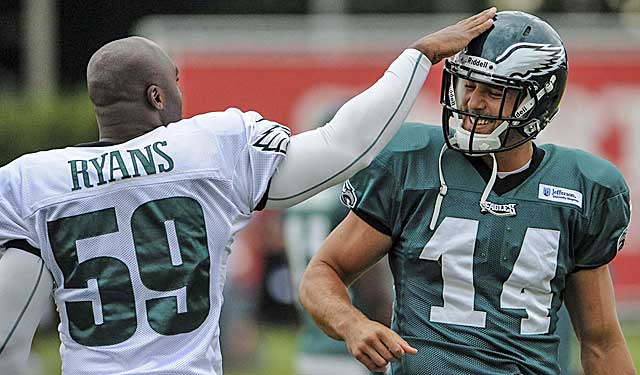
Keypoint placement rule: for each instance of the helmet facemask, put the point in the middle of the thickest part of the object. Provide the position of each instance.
(516, 123)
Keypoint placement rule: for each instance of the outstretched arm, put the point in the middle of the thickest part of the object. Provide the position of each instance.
(25, 286)
(361, 128)
(592, 307)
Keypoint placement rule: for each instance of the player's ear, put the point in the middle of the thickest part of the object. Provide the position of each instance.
(155, 97)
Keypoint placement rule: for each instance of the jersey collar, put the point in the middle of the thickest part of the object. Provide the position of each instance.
(504, 185)
(95, 144)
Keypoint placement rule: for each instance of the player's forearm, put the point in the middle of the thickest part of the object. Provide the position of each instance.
(607, 356)
(329, 155)
(325, 297)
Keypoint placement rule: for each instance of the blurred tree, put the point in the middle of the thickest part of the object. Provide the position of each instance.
(29, 127)
(10, 48)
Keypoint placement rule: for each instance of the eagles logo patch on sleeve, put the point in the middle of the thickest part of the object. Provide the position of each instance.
(622, 239)
(348, 196)
(275, 139)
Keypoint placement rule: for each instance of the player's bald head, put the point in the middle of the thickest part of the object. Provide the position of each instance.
(130, 78)
(122, 70)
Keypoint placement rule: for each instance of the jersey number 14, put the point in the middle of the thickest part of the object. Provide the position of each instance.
(528, 287)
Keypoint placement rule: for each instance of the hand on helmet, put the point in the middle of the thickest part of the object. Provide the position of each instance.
(454, 38)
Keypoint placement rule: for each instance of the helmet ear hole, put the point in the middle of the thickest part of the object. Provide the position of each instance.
(526, 31)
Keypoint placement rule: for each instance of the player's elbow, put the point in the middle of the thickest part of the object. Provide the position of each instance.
(312, 281)
(305, 288)
(599, 340)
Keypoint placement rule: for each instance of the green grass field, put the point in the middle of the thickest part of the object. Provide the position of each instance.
(275, 355)
(632, 334)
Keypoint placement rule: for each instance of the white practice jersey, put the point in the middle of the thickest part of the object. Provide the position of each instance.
(137, 235)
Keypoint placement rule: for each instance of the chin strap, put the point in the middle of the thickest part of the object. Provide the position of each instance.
(487, 206)
(443, 190)
(484, 205)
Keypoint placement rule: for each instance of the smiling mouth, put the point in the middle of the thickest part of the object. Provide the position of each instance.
(484, 126)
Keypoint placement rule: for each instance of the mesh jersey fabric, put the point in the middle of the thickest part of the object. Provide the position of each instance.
(137, 235)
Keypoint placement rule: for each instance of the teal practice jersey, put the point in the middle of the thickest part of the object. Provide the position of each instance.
(480, 293)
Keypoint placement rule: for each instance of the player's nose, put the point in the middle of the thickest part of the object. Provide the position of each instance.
(476, 101)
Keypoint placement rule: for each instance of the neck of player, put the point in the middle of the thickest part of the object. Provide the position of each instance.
(512, 160)
(125, 121)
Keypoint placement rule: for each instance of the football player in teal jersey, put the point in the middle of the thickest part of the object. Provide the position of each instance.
(487, 233)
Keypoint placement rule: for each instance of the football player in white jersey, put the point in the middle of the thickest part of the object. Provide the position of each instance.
(132, 232)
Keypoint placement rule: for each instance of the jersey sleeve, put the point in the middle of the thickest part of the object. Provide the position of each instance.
(266, 146)
(370, 195)
(14, 231)
(604, 232)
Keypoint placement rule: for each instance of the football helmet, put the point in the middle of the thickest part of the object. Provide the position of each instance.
(520, 55)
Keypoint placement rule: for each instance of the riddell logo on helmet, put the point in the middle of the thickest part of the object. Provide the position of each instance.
(480, 63)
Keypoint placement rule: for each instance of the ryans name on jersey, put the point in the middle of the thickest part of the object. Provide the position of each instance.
(111, 166)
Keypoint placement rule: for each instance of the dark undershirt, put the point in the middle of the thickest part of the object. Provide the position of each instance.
(24, 246)
(504, 185)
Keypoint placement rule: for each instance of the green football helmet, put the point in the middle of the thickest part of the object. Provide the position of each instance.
(519, 52)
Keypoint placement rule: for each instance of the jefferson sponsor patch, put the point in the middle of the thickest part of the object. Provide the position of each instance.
(559, 194)
(348, 196)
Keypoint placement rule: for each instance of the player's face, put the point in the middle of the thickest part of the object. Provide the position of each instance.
(484, 99)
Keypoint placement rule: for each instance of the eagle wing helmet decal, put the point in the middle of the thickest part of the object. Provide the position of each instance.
(523, 60)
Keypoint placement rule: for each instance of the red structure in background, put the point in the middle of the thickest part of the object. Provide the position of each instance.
(276, 85)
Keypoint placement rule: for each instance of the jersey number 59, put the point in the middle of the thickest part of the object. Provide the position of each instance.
(170, 244)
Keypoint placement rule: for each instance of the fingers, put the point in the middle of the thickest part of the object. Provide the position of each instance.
(477, 30)
(376, 358)
(481, 17)
(379, 347)
(375, 364)
(408, 349)
(396, 345)
(383, 351)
